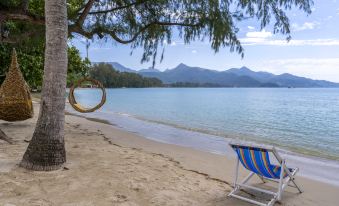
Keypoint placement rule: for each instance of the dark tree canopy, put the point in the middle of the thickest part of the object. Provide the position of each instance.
(31, 62)
(147, 23)
(112, 78)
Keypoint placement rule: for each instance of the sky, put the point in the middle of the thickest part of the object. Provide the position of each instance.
(313, 51)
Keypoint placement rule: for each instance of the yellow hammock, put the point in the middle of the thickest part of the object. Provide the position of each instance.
(15, 98)
(76, 105)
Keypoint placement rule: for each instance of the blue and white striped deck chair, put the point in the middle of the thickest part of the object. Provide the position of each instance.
(256, 159)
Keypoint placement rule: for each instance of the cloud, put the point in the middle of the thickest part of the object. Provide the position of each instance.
(255, 37)
(328, 18)
(258, 34)
(263, 37)
(194, 51)
(305, 26)
(173, 43)
(99, 48)
(296, 42)
(323, 68)
(250, 27)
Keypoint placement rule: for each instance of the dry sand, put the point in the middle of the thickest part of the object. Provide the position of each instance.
(108, 166)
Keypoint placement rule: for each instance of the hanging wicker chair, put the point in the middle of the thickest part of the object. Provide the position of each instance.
(15, 98)
(76, 105)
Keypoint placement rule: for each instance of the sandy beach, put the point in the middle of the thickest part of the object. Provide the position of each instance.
(109, 166)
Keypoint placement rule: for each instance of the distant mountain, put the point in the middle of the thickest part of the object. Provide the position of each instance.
(235, 77)
(119, 67)
(244, 71)
(289, 80)
(184, 73)
(148, 70)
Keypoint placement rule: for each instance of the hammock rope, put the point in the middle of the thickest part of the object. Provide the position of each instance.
(76, 105)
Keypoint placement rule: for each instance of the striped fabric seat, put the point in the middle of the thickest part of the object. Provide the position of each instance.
(258, 161)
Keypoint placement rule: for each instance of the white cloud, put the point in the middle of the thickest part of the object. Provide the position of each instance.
(297, 42)
(250, 27)
(99, 48)
(266, 38)
(194, 51)
(255, 37)
(324, 68)
(328, 18)
(305, 26)
(258, 34)
(173, 43)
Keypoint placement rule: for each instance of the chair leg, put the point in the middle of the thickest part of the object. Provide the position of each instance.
(262, 179)
(280, 189)
(296, 185)
(292, 179)
(235, 189)
(273, 200)
(236, 172)
(237, 186)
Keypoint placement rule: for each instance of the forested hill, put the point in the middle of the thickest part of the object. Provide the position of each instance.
(112, 78)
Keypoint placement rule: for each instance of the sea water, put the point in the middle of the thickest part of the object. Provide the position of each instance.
(302, 123)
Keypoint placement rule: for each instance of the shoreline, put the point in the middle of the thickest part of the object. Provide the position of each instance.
(109, 166)
(296, 129)
(250, 139)
(306, 163)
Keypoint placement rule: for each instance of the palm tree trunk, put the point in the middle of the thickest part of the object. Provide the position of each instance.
(46, 150)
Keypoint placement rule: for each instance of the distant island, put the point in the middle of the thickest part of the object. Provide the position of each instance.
(186, 76)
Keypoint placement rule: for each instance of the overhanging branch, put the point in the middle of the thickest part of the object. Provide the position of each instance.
(118, 8)
(84, 14)
(102, 31)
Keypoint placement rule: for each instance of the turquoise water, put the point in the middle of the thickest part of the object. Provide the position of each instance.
(299, 120)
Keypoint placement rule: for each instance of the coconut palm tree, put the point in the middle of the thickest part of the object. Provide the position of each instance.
(46, 150)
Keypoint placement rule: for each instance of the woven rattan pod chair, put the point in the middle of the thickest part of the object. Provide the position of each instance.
(15, 98)
(76, 105)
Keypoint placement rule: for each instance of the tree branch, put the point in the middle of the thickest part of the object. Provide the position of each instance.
(28, 35)
(84, 14)
(101, 31)
(119, 7)
(20, 16)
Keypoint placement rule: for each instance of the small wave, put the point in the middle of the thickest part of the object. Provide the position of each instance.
(286, 148)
